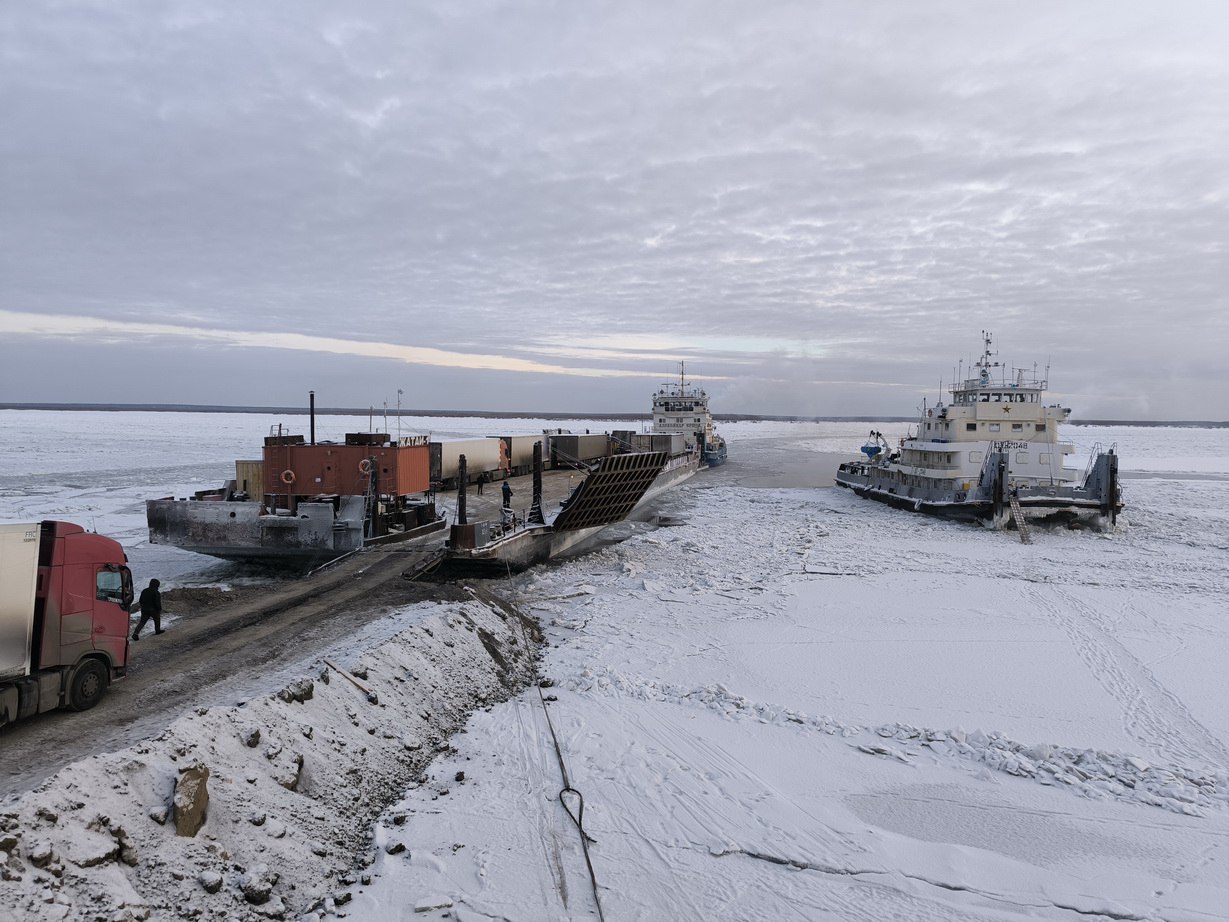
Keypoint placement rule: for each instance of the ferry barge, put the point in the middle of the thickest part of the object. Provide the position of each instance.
(621, 471)
(991, 455)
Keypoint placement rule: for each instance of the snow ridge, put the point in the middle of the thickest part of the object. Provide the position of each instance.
(294, 781)
(1088, 773)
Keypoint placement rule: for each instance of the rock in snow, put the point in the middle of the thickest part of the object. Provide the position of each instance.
(191, 800)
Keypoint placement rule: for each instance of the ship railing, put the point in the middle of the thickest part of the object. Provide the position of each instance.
(567, 460)
(622, 444)
(1093, 455)
(986, 474)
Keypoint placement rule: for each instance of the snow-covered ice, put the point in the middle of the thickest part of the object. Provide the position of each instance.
(798, 704)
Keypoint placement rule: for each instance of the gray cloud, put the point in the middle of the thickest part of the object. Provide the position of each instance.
(795, 198)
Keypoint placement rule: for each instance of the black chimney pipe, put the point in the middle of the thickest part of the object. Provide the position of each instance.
(312, 397)
(535, 507)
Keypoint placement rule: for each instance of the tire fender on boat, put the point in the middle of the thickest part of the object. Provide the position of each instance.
(287, 476)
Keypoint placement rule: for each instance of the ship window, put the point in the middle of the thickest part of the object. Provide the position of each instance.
(1022, 457)
(1017, 427)
(1041, 427)
(970, 427)
(994, 427)
(975, 456)
(1044, 457)
(985, 398)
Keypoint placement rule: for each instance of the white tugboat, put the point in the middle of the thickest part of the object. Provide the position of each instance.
(992, 454)
(681, 408)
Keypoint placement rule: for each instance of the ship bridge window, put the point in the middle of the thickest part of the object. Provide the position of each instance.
(1017, 427)
(970, 427)
(985, 398)
(1041, 427)
(994, 427)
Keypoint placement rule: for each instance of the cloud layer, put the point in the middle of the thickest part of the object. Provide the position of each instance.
(818, 206)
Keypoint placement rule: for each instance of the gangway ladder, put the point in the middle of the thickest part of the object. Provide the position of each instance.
(1026, 536)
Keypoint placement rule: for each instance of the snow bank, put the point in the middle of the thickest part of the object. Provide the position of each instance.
(287, 786)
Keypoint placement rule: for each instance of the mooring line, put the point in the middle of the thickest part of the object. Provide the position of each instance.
(578, 816)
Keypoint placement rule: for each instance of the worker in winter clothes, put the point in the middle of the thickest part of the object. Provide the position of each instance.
(507, 496)
(151, 607)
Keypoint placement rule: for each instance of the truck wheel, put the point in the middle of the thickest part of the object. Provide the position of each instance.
(88, 685)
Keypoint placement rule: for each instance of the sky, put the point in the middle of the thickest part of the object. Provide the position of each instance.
(546, 206)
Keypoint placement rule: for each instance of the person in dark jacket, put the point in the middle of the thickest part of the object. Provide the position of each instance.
(151, 607)
(507, 496)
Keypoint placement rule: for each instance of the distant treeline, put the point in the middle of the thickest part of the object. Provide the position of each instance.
(497, 414)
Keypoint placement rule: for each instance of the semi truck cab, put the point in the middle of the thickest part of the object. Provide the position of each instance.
(64, 600)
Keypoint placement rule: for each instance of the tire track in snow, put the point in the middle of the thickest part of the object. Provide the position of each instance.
(679, 764)
(842, 880)
(1152, 715)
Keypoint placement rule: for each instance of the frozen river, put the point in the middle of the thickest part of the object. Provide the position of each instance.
(796, 703)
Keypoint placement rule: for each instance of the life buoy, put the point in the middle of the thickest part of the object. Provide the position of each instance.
(364, 466)
(287, 476)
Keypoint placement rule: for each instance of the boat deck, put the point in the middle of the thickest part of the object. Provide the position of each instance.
(557, 485)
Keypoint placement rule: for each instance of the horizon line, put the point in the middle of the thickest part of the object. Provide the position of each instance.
(517, 414)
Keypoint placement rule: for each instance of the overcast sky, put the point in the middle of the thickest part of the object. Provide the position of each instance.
(546, 205)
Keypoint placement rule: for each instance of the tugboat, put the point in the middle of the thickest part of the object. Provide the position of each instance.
(991, 455)
(681, 408)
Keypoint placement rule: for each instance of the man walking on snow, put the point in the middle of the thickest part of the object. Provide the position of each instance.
(151, 607)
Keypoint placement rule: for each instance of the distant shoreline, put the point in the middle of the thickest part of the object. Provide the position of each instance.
(498, 414)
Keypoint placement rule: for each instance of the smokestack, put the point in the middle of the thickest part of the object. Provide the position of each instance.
(312, 413)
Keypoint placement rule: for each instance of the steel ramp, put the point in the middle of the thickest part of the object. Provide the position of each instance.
(611, 491)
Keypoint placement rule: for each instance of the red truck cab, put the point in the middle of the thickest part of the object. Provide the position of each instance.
(76, 637)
